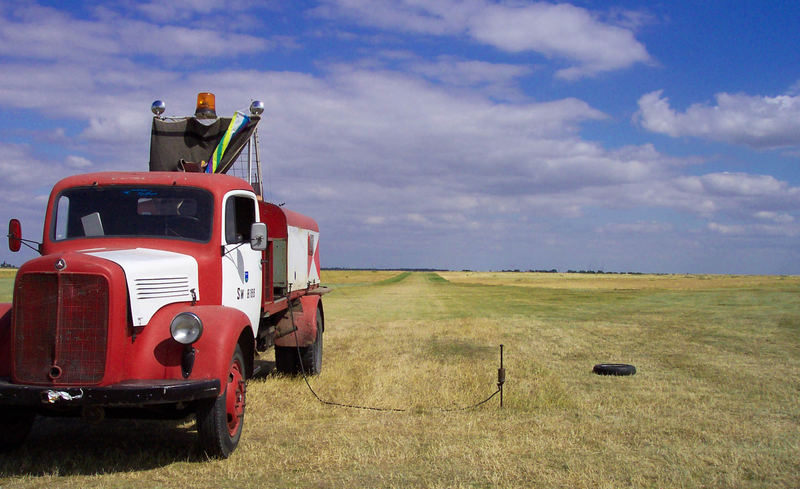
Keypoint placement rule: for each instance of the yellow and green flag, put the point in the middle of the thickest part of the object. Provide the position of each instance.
(238, 121)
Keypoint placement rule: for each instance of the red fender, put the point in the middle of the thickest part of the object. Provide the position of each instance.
(157, 355)
(305, 321)
(5, 340)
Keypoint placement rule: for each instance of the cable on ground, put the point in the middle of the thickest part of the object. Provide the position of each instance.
(500, 381)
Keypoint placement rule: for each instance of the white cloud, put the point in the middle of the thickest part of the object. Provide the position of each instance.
(34, 32)
(184, 42)
(742, 196)
(576, 35)
(760, 122)
(639, 227)
(374, 220)
(741, 184)
(494, 79)
(755, 230)
(177, 10)
(394, 151)
(470, 72)
(46, 34)
(777, 217)
(394, 155)
(26, 183)
(78, 162)
(18, 166)
(562, 31)
(398, 142)
(454, 163)
(418, 219)
(443, 17)
(726, 229)
(395, 129)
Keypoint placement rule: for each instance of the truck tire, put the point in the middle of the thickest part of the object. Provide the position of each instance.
(614, 369)
(286, 360)
(220, 420)
(312, 355)
(286, 357)
(15, 424)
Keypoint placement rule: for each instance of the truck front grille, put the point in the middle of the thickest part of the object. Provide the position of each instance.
(60, 328)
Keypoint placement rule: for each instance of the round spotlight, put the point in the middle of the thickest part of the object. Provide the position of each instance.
(186, 328)
(158, 107)
(257, 107)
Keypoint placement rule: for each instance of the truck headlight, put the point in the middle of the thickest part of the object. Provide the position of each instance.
(186, 328)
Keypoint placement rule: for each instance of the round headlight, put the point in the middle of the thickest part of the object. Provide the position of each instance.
(186, 328)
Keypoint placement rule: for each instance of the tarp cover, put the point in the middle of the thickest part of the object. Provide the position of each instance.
(173, 140)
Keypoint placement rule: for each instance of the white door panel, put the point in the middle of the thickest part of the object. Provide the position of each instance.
(241, 265)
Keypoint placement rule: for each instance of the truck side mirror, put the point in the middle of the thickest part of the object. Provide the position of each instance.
(258, 236)
(14, 235)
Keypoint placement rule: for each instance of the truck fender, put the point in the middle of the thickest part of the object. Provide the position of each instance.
(305, 320)
(158, 355)
(5, 340)
(223, 328)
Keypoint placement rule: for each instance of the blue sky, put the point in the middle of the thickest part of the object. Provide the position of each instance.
(479, 134)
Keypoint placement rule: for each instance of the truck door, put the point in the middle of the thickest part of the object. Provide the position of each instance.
(241, 265)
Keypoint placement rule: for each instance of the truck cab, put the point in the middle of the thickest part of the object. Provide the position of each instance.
(153, 296)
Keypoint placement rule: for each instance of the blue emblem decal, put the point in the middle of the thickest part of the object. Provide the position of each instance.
(246, 276)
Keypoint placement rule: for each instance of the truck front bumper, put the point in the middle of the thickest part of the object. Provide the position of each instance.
(134, 393)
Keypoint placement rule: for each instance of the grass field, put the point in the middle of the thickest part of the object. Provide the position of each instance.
(7, 284)
(715, 401)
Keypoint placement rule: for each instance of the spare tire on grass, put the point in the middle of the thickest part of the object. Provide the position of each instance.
(614, 369)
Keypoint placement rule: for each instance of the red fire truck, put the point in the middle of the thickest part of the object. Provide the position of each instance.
(156, 291)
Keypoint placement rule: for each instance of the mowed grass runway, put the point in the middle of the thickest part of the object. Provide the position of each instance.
(715, 401)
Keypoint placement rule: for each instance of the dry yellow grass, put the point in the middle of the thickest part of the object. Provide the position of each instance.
(620, 281)
(7, 284)
(355, 277)
(7, 272)
(714, 402)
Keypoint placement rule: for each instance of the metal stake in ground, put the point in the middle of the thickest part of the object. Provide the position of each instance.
(501, 376)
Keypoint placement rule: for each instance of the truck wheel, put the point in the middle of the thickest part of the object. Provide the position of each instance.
(220, 420)
(614, 369)
(312, 355)
(286, 360)
(15, 424)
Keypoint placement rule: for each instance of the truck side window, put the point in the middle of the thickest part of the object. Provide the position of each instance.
(240, 214)
(61, 217)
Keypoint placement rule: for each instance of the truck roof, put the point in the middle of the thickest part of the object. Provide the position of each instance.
(215, 182)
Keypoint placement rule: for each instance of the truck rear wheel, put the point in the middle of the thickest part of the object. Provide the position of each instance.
(286, 360)
(220, 420)
(286, 357)
(312, 355)
(15, 424)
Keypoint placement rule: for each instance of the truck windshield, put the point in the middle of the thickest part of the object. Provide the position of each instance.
(127, 211)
